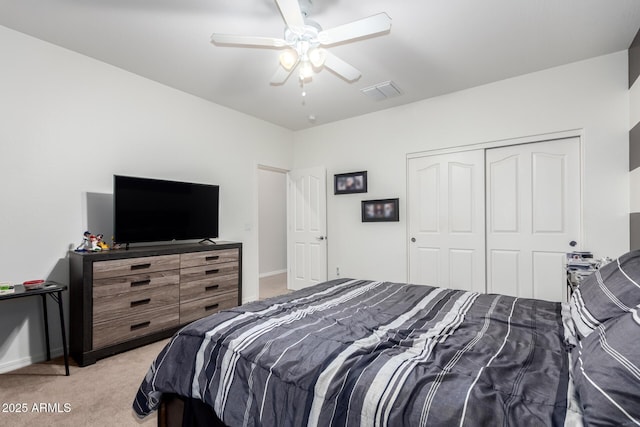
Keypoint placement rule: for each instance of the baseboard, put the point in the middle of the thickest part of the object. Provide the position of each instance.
(29, 360)
(249, 298)
(271, 273)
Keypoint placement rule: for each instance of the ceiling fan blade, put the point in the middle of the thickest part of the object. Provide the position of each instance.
(378, 23)
(292, 15)
(343, 69)
(282, 74)
(247, 40)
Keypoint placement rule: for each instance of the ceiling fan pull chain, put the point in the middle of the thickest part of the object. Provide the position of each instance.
(304, 92)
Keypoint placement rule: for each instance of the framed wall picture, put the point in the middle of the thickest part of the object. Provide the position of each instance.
(348, 183)
(380, 210)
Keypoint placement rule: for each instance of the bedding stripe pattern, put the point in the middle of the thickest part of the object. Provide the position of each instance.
(611, 291)
(365, 353)
(607, 372)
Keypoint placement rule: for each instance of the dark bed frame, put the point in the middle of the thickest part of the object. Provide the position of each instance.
(177, 411)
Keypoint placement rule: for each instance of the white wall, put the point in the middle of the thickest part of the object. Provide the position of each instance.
(590, 95)
(68, 124)
(272, 221)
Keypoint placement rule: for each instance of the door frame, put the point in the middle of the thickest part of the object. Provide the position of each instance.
(263, 167)
(571, 133)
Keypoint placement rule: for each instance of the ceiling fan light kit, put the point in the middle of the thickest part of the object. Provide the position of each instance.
(304, 41)
(317, 56)
(288, 59)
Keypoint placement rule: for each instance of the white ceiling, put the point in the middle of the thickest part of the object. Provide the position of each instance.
(434, 46)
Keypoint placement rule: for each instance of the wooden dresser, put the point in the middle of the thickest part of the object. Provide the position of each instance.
(123, 299)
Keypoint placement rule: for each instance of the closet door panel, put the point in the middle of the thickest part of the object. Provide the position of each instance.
(502, 186)
(428, 266)
(461, 269)
(461, 198)
(533, 206)
(446, 217)
(428, 180)
(549, 208)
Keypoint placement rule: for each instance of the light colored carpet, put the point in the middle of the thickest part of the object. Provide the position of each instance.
(96, 395)
(272, 286)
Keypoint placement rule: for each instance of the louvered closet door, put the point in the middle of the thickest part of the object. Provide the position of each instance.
(533, 212)
(446, 220)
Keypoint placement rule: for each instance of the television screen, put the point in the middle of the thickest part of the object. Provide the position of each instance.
(154, 210)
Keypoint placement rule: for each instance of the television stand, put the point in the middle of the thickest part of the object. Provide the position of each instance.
(207, 240)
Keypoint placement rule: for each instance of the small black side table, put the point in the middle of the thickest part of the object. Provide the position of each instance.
(54, 290)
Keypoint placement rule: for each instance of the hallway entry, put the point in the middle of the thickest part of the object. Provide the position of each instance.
(272, 231)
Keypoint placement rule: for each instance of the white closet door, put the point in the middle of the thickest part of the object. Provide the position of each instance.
(446, 220)
(533, 212)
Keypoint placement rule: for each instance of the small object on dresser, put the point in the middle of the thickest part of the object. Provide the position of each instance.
(101, 243)
(92, 243)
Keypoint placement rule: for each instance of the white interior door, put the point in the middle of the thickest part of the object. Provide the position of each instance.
(533, 212)
(446, 220)
(306, 227)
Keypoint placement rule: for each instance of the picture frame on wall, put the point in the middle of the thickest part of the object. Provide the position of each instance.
(349, 183)
(382, 210)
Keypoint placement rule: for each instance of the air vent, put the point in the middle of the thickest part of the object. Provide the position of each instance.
(382, 91)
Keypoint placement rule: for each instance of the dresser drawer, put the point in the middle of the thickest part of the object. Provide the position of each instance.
(208, 271)
(123, 267)
(134, 283)
(203, 307)
(208, 286)
(195, 259)
(137, 325)
(133, 302)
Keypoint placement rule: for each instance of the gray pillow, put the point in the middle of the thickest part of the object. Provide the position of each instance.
(609, 292)
(607, 372)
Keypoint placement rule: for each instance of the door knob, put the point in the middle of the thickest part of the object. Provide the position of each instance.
(573, 243)
(321, 238)
(413, 239)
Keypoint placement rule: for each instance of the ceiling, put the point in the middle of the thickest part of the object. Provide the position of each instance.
(434, 46)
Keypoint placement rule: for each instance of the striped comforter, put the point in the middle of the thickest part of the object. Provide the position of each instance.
(356, 352)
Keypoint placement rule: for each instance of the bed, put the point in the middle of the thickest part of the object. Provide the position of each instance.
(374, 353)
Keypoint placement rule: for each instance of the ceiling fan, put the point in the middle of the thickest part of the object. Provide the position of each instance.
(304, 41)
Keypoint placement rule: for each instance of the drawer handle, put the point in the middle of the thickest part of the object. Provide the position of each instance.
(212, 258)
(140, 325)
(140, 283)
(211, 288)
(212, 271)
(140, 266)
(140, 302)
(211, 307)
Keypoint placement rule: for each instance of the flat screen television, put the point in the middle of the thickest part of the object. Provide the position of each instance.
(155, 210)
